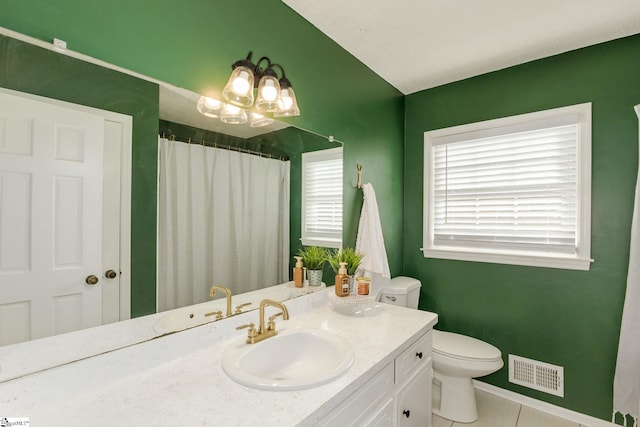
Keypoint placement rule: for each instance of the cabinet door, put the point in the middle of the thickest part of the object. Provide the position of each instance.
(367, 399)
(413, 399)
(383, 417)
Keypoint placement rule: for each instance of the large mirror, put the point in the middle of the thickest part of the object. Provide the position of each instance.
(240, 186)
(38, 70)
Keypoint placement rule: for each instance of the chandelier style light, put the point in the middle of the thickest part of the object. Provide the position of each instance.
(273, 95)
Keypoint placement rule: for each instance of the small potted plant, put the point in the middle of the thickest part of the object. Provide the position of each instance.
(353, 259)
(313, 259)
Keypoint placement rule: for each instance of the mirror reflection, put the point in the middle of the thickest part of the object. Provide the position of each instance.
(229, 207)
(126, 106)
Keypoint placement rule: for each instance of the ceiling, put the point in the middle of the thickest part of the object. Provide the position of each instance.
(419, 44)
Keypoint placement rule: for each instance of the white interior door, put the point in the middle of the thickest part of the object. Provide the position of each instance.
(112, 295)
(51, 207)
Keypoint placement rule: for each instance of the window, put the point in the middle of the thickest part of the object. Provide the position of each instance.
(322, 198)
(515, 190)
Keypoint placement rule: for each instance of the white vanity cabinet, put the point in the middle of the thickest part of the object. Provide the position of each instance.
(413, 399)
(391, 374)
(414, 373)
(398, 396)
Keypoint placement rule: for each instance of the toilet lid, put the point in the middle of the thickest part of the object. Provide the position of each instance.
(463, 347)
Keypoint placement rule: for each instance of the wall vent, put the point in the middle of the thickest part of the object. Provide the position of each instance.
(536, 375)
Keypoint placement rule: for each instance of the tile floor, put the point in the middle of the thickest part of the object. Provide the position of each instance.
(494, 411)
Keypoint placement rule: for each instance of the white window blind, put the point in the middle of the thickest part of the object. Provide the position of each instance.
(322, 198)
(512, 188)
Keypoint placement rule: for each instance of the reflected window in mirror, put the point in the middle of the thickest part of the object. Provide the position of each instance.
(322, 198)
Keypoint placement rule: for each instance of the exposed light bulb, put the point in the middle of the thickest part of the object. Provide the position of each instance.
(287, 102)
(209, 107)
(233, 115)
(212, 103)
(241, 83)
(269, 92)
(231, 109)
(258, 120)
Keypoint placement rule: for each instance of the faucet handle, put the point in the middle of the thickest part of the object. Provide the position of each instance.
(274, 316)
(248, 325)
(272, 324)
(251, 334)
(239, 307)
(218, 314)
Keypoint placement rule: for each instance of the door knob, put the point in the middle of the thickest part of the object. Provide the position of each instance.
(91, 280)
(110, 274)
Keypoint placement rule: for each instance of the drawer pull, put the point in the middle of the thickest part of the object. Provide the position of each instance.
(419, 355)
(406, 413)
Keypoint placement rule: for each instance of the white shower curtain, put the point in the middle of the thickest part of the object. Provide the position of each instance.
(223, 218)
(626, 383)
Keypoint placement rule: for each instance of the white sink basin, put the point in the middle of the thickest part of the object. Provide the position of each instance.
(294, 359)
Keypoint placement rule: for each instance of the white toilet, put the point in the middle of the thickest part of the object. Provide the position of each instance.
(456, 359)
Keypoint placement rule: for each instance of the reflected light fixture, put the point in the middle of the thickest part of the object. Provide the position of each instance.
(258, 120)
(232, 114)
(274, 95)
(209, 107)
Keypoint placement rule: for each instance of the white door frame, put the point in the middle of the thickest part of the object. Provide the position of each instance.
(126, 123)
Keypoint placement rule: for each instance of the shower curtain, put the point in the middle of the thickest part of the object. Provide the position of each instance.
(626, 383)
(223, 219)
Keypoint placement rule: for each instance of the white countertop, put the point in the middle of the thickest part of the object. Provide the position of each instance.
(177, 379)
(28, 357)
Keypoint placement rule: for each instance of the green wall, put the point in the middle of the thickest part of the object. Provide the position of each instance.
(564, 317)
(26, 68)
(193, 46)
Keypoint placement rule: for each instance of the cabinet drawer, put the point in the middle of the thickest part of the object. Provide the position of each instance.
(419, 352)
(364, 402)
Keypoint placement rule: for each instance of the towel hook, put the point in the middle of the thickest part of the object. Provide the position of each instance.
(359, 168)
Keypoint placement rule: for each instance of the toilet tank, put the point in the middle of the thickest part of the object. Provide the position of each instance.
(403, 291)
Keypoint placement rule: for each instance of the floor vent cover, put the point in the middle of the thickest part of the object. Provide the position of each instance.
(536, 375)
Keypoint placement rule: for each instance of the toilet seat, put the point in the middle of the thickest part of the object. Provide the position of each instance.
(462, 347)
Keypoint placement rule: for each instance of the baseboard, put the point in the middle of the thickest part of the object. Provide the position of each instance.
(558, 411)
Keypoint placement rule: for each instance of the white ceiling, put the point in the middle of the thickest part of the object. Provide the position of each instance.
(419, 44)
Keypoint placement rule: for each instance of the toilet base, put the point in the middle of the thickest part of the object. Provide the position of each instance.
(454, 399)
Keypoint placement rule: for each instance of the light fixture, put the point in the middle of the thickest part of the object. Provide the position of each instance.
(258, 120)
(232, 114)
(289, 104)
(209, 107)
(274, 95)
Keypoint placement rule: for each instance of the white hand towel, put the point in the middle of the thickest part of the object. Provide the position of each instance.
(370, 242)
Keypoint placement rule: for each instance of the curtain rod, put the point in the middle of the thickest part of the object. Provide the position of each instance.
(189, 140)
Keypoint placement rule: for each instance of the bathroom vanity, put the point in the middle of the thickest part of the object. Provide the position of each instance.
(399, 395)
(177, 379)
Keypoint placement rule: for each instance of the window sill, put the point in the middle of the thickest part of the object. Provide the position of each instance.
(323, 243)
(533, 260)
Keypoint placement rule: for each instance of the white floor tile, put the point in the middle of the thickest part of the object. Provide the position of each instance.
(533, 418)
(437, 421)
(494, 411)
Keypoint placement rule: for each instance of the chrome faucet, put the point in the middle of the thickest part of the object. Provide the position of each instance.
(254, 336)
(226, 291)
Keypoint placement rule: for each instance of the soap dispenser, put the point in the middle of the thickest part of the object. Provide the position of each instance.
(298, 273)
(342, 281)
